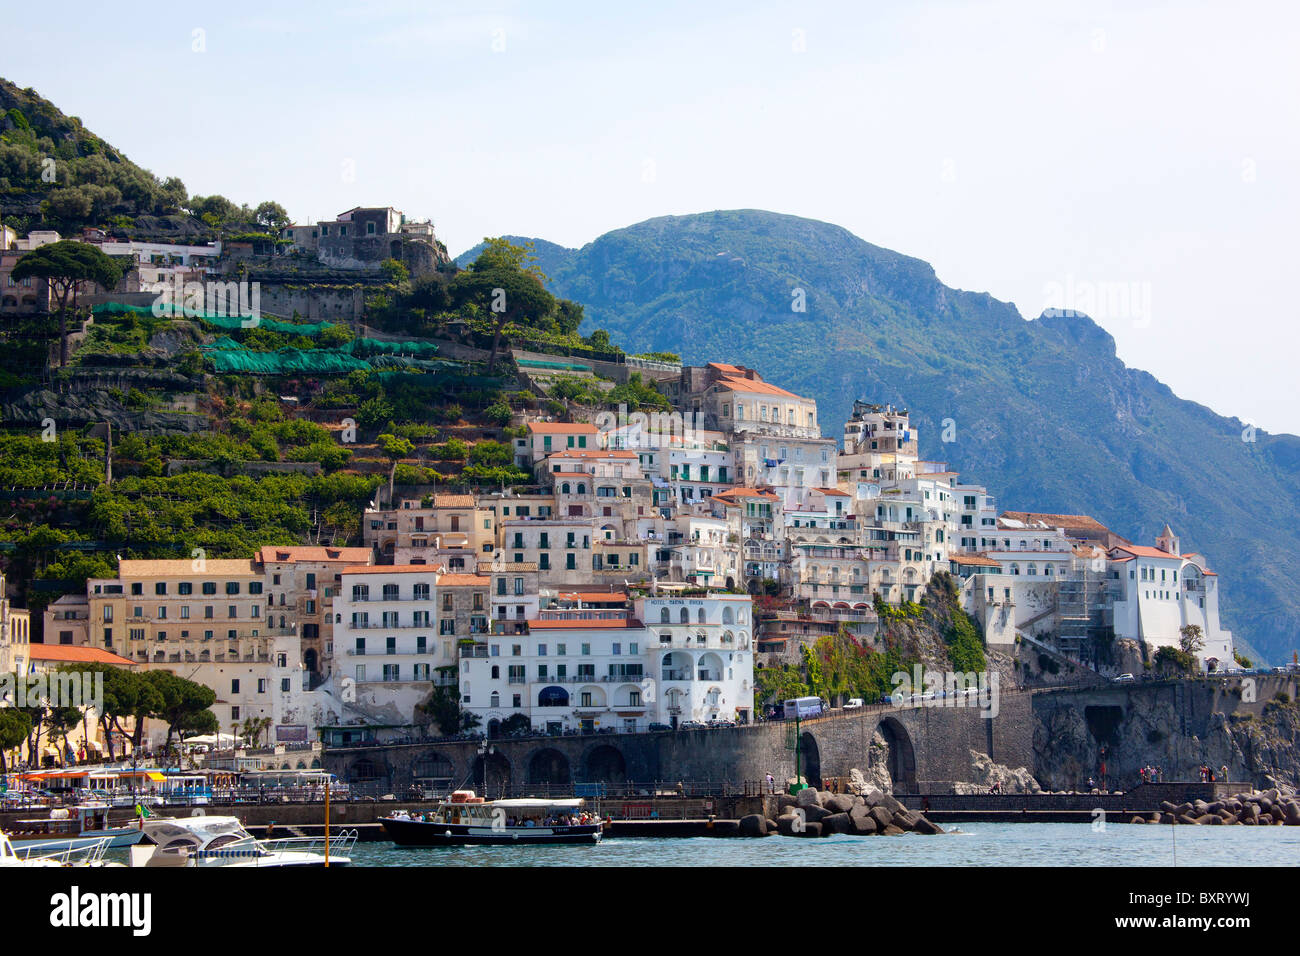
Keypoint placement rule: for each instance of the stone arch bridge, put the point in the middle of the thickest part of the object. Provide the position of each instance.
(928, 749)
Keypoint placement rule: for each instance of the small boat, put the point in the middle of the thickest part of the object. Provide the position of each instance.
(72, 827)
(87, 854)
(223, 841)
(467, 820)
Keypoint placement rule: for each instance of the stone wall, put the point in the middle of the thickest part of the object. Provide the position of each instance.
(929, 748)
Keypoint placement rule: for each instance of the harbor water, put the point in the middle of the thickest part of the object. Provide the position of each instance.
(974, 844)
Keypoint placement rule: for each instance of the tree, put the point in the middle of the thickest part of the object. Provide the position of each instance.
(271, 215)
(1191, 639)
(505, 282)
(65, 265)
(183, 704)
(394, 272)
(395, 449)
(14, 728)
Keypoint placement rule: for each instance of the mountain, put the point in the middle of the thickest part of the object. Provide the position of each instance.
(1044, 412)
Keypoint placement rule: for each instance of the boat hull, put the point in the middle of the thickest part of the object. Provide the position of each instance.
(418, 833)
(123, 837)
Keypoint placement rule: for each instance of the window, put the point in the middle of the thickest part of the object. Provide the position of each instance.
(234, 713)
(360, 592)
(261, 685)
(234, 686)
(284, 685)
(232, 587)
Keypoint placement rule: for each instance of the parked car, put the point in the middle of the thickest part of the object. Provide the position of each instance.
(1125, 679)
(654, 727)
(853, 704)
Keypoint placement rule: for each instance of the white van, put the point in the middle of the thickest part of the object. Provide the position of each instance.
(853, 704)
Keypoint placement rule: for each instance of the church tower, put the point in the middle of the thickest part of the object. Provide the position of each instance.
(1168, 541)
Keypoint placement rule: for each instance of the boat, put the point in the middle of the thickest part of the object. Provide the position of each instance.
(222, 841)
(467, 820)
(74, 827)
(36, 856)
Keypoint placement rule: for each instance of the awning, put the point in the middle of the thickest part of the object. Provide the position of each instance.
(155, 777)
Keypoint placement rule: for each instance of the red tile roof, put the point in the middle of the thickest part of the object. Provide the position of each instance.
(580, 624)
(1142, 551)
(1056, 521)
(974, 559)
(733, 384)
(590, 453)
(561, 428)
(273, 554)
(75, 655)
(390, 569)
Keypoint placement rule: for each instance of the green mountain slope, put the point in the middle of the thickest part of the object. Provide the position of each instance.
(1045, 414)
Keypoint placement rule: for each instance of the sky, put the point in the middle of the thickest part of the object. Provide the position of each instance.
(1133, 160)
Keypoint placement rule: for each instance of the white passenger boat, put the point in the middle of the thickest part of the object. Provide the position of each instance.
(73, 827)
(223, 841)
(88, 854)
(467, 820)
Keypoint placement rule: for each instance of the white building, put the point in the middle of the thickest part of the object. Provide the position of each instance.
(600, 669)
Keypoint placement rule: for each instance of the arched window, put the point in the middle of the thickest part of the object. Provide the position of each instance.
(727, 616)
(664, 616)
(564, 488)
(496, 699)
(1032, 568)
(496, 672)
(553, 697)
(582, 489)
(1015, 569)
(699, 618)
(685, 616)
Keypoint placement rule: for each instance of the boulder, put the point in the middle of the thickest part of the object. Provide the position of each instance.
(815, 814)
(726, 828)
(771, 826)
(1137, 819)
(928, 827)
(785, 801)
(837, 823)
(807, 797)
(882, 817)
(1187, 818)
(1206, 818)
(891, 830)
(785, 824)
(906, 819)
(1167, 807)
(839, 802)
(863, 824)
(753, 825)
(1168, 818)
(812, 830)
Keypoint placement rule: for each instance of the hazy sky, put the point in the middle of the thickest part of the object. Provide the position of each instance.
(1134, 160)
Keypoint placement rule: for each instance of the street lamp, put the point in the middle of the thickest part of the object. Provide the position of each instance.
(485, 750)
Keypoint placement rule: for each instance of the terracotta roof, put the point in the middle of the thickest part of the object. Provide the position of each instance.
(583, 625)
(974, 559)
(454, 501)
(561, 428)
(834, 491)
(521, 566)
(184, 567)
(592, 597)
(463, 580)
(390, 569)
(590, 453)
(75, 655)
(1142, 551)
(731, 493)
(270, 554)
(753, 385)
(1056, 521)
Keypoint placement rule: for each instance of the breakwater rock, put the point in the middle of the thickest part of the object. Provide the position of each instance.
(812, 813)
(1252, 808)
